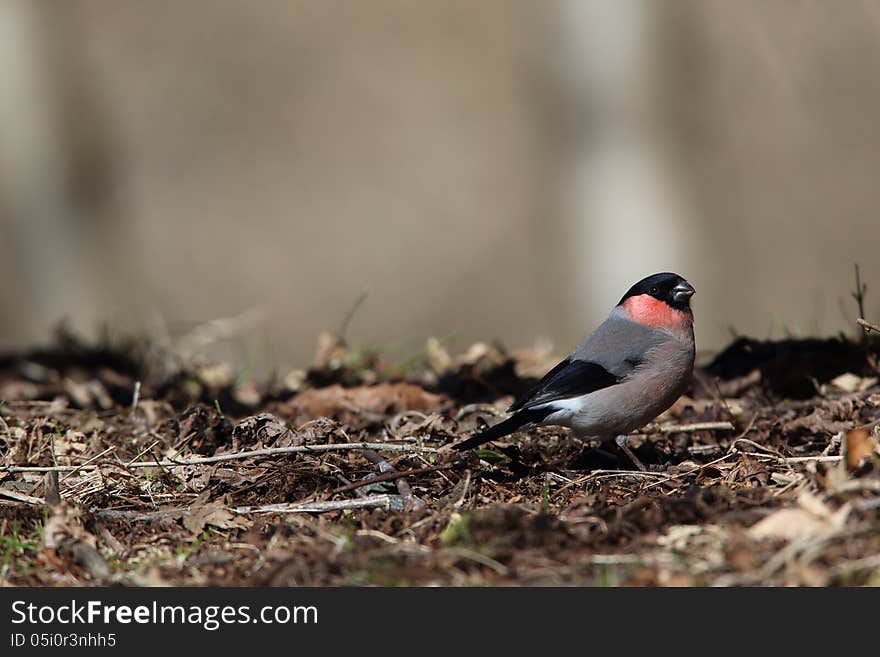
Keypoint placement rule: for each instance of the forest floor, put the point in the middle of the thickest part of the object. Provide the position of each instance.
(126, 466)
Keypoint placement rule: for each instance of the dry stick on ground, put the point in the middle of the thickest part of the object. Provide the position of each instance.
(385, 467)
(21, 497)
(391, 475)
(772, 453)
(85, 463)
(272, 451)
(607, 474)
(386, 502)
(696, 426)
(142, 516)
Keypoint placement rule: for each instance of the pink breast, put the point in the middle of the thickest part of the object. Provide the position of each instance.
(647, 310)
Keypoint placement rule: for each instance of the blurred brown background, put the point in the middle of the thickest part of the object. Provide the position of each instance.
(485, 170)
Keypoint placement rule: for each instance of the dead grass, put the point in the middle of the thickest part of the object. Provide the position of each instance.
(787, 493)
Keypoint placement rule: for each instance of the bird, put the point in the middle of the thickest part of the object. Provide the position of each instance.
(633, 367)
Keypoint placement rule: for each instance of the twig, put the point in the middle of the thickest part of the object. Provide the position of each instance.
(696, 426)
(473, 408)
(21, 497)
(615, 559)
(94, 458)
(386, 502)
(772, 453)
(218, 329)
(861, 289)
(385, 468)
(817, 459)
(349, 315)
(345, 483)
(123, 514)
(763, 448)
(693, 470)
(868, 325)
(871, 485)
(390, 476)
(142, 452)
(668, 428)
(607, 474)
(473, 555)
(135, 396)
(464, 490)
(272, 451)
(848, 567)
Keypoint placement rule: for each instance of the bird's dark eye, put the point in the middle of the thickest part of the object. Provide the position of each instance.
(655, 290)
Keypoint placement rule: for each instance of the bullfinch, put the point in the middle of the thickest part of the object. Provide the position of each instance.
(623, 375)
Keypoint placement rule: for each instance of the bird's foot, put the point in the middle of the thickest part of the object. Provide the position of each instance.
(621, 442)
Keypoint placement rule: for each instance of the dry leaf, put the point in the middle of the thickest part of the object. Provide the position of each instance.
(264, 429)
(214, 513)
(294, 380)
(381, 398)
(329, 351)
(217, 375)
(438, 358)
(858, 447)
(816, 422)
(812, 519)
(87, 394)
(248, 394)
(852, 383)
(535, 361)
(788, 524)
(65, 532)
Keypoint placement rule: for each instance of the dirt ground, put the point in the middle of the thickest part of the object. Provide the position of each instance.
(766, 473)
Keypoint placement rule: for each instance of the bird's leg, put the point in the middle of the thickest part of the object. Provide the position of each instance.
(621, 442)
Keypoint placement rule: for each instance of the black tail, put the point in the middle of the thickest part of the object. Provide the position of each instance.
(508, 426)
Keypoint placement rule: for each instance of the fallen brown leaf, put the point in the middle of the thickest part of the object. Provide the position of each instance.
(202, 513)
(859, 447)
(380, 398)
(812, 518)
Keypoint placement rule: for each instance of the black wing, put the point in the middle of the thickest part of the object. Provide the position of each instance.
(570, 378)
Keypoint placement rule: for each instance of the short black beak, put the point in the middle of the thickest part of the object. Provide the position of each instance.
(683, 291)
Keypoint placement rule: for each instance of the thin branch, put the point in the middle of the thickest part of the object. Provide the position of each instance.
(135, 396)
(272, 451)
(21, 497)
(861, 289)
(390, 476)
(473, 555)
(817, 459)
(868, 326)
(696, 426)
(142, 516)
(759, 447)
(343, 329)
(386, 502)
(464, 490)
(693, 470)
(94, 458)
(385, 468)
(607, 474)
